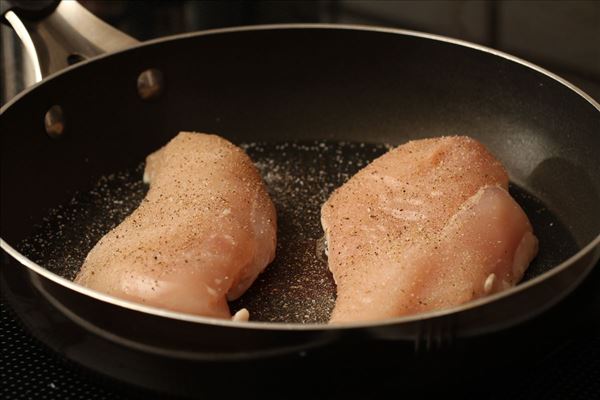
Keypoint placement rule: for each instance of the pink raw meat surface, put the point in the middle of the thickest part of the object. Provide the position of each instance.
(427, 226)
(202, 234)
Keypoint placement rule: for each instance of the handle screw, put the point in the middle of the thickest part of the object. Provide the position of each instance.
(150, 84)
(54, 122)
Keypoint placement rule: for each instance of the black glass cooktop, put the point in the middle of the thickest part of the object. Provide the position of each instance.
(559, 358)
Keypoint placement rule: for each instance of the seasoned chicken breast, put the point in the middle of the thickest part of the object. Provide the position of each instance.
(202, 234)
(427, 226)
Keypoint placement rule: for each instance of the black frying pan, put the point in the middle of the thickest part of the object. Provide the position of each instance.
(314, 102)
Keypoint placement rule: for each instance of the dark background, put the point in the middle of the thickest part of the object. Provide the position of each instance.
(562, 36)
(557, 34)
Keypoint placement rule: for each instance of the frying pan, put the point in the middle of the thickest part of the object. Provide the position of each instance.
(283, 88)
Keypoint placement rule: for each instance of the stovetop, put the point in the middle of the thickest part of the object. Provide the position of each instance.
(561, 361)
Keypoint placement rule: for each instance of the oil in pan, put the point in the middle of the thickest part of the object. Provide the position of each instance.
(297, 286)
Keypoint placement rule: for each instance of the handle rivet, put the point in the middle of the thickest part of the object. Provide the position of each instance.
(150, 84)
(54, 121)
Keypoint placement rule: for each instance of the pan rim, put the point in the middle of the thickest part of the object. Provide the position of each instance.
(324, 26)
(280, 326)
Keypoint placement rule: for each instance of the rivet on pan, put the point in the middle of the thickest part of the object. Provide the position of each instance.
(150, 84)
(54, 121)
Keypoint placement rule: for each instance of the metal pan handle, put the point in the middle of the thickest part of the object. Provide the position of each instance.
(57, 34)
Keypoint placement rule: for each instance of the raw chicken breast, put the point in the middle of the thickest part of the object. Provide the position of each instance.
(427, 226)
(202, 234)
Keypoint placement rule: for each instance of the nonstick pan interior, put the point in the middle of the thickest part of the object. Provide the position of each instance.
(297, 286)
(278, 90)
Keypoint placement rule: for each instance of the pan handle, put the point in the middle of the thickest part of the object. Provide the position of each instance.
(61, 34)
